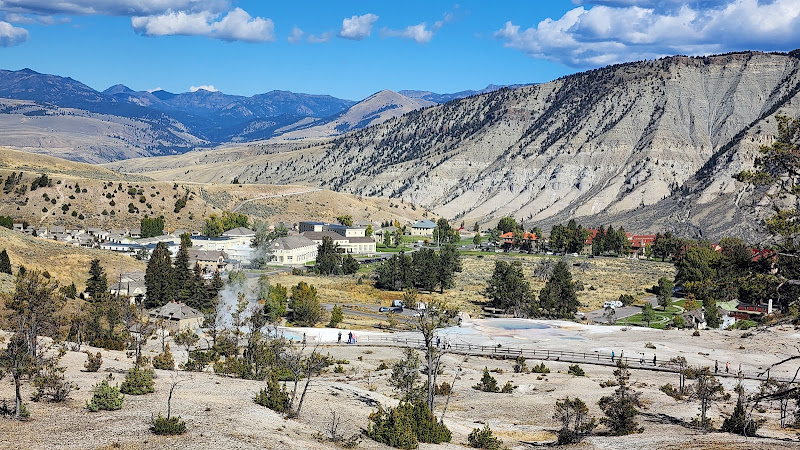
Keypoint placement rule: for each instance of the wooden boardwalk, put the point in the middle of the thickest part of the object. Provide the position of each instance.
(541, 354)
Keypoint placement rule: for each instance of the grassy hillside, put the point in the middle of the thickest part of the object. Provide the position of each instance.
(66, 263)
(83, 195)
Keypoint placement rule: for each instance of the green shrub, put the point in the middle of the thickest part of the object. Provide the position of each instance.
(487, 383)
(164, 361)
(483, 438)
(93, 362)
(105, 397)
(508, 388)
(51, 384)
(169, 427)
(739, 422)
(198, 360)
(406, 426)
(576, 370)
(234, 366)
(273, 396)
(443, 389)
(678, 322)
(138, 381)
(540, 368)
(670, 390)
(338, 369)
(519, 365)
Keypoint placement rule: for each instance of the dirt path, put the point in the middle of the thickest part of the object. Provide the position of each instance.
(289, 194)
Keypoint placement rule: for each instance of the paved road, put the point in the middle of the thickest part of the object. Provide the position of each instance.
(406, 315)
(625, 311)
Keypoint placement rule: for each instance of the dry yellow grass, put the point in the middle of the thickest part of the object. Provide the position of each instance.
(604, 279)
(66, 263)
(107, 191)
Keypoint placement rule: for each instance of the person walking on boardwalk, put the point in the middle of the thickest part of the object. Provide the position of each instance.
(727, 367)
(339, 341)
(350, 337)
(654, 359)
(716, 366)
(612, 355)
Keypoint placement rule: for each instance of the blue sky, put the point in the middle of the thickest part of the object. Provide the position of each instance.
(352, 49)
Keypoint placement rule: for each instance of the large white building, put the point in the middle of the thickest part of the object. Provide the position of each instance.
(356, 245)
(291, 250)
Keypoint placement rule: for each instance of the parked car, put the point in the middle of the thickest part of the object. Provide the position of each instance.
(396, 309)
(614, 304)
(383, 309)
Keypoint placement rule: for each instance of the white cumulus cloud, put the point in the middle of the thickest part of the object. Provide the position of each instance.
(624, 30)
(296, 36)
(174, 23)
(111, 7)
(11, 35)
(320, 38)
(418, 33)
(29, 19)
(203, 87)
(357, 27)
(237, 25)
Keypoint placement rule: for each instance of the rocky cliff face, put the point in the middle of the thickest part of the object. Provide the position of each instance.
(603, 143)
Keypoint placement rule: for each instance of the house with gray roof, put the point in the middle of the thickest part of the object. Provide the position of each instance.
(292, 250)
(178, 315)
(423, 228)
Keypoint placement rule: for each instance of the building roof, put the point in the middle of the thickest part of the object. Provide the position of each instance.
(206, 255)
(526, 236)
(292, 242)
(175, 311)
(240, 231)
(425, 224)
(361, 240)
(312, 222)
(318, 235)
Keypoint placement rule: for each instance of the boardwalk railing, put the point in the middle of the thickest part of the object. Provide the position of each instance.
(502, 352)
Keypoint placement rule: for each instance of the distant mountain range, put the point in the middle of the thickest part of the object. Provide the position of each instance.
(53, 114)
(444, 98)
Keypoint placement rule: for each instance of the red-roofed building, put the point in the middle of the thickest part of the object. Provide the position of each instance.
(639, 242)
(508, 238)
(592, 234)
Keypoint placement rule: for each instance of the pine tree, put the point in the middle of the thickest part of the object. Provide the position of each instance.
(198, 291)
(157, 277)
(328, 257)
(558, 298)
(5, 262)
(426, 263)
(213, 289)
(97, 284)
(508, 289)
(449, 264)
(305, 304)
(181, 273)
(275, 303)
